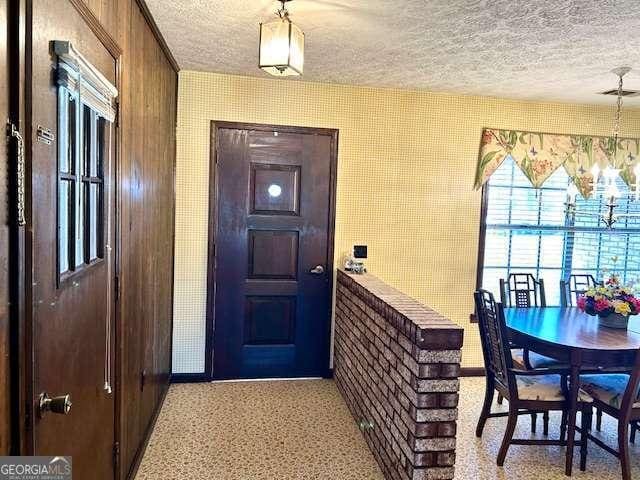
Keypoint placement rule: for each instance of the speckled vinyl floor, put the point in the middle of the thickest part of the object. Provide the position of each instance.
(303, 430)
(257, 430)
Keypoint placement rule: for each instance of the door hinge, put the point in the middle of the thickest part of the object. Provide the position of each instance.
(117, 109)
(143, 379)
(27, 416)
(116, 455)
(116, 287)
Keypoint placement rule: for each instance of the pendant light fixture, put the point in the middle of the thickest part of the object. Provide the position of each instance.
(609, 175)
(281, 45)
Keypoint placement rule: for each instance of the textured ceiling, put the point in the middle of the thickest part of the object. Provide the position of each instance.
(530, 49)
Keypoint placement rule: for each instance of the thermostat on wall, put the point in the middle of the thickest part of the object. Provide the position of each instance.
(359, 251)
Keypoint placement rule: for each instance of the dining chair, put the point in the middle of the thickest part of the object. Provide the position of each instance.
(574, 286)
(570, 289)
(522, 290)
(527, 391)
(617, 395)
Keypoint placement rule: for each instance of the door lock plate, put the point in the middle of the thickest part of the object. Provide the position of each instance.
(45, 135)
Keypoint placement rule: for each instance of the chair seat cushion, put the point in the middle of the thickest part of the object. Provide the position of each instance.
(544, 388)
(518, 358)
(608, 388)
(536, 360)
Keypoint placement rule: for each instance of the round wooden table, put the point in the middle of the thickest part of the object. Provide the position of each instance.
(575, 338)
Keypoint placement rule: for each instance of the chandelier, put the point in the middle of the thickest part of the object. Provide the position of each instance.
(281, 45)
(609, 175)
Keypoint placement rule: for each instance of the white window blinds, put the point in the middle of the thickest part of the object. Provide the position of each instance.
(527, 231)
(80, 77)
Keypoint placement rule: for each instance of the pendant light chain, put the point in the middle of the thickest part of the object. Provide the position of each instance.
(616, 128)
(282, 12)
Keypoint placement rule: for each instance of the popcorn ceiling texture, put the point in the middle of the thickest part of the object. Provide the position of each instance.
(537, 50)
(406, 166)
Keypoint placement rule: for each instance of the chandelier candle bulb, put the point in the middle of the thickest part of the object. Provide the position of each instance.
(572, 193)
(610, 174)
(612, 192)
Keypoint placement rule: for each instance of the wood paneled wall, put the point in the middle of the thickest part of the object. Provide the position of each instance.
(148, 88)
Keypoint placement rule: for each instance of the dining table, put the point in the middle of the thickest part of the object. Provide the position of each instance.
(576, 339)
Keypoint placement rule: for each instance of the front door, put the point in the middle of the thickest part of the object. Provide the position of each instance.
(273, 231)
(72, 145)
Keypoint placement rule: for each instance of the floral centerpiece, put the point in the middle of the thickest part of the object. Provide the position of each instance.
(611, 302)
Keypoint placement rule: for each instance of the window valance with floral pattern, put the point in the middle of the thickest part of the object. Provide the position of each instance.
(540, 154)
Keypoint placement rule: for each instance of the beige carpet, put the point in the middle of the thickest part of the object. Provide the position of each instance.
(303, 430)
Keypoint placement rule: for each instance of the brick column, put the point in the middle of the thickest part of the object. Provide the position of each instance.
(397, 363)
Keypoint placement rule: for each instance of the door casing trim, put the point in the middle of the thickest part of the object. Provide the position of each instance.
(207, 375)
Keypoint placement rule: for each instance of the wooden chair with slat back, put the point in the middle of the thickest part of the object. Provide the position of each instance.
(527, 391)
(570, 289)
(617, 394)
(574, 286)
(522, 290)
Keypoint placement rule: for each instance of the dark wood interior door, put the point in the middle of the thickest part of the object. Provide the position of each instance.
(71, 267)
(273, 250)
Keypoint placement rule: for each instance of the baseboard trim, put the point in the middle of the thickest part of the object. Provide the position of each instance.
(203, 377)
(189, 378)
(472, 372)
(147, 436)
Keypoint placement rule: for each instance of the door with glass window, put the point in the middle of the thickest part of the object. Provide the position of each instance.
(72, 146)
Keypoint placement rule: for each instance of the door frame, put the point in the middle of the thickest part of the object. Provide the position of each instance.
(17, 13)
(213, 227)
(26, 352)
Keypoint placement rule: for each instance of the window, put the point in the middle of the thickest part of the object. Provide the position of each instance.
(527, 231)
(85, 112)
(81, 181)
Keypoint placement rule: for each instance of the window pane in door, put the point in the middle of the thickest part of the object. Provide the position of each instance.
(93, 222)
(63, 134)
(87, 140)
(63, 226)
(79, 230)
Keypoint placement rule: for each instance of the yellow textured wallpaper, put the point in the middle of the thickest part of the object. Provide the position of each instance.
(406, 168)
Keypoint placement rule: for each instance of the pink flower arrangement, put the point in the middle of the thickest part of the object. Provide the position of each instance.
(609, 298)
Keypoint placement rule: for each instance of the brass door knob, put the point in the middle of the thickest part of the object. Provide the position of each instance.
(61, 404)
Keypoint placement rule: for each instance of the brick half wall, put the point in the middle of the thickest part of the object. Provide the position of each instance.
(397, 363)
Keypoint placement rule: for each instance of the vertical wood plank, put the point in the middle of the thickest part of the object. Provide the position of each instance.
(146, 169)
